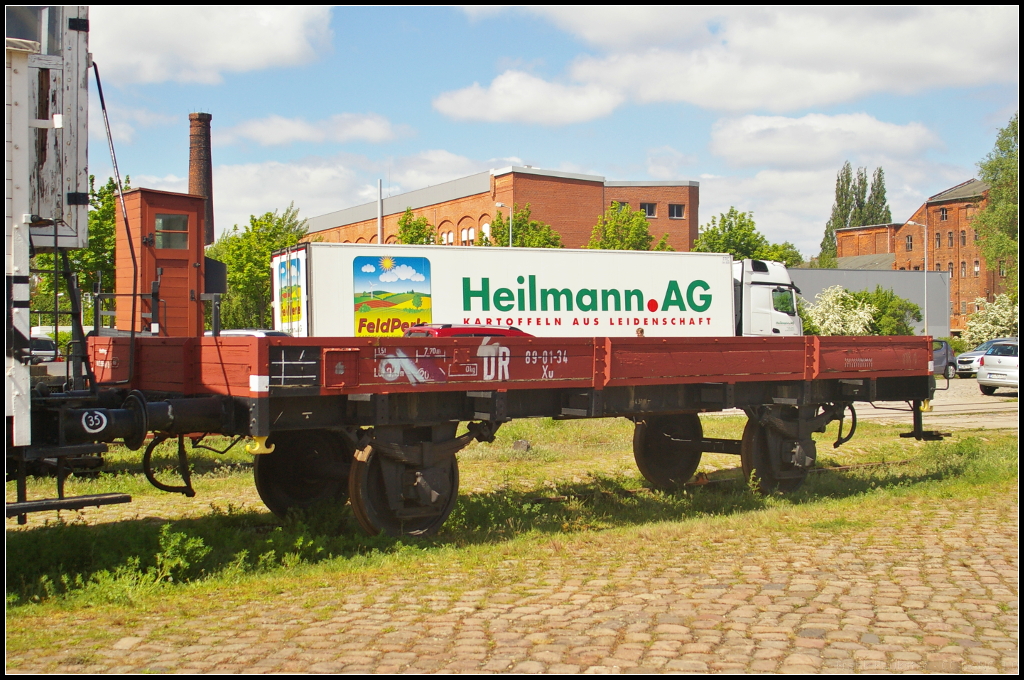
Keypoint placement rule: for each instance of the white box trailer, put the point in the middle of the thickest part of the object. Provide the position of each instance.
(359, 290)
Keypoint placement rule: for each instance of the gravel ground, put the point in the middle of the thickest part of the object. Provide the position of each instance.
(923, 585)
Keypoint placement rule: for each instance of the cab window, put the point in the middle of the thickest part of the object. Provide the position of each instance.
(782, 301)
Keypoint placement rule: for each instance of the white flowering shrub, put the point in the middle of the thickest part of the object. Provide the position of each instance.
(836, 312)
(998, 319)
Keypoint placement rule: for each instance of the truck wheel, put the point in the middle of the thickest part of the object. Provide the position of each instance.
(950, 372)
(305, 468)
(663, 459)
(755, 462)
(419, 511)
(988, 390)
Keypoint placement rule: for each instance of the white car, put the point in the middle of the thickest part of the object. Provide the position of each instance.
(999, 367)
(43, 348)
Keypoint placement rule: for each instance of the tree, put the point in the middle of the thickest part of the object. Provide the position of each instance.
(736, 233)
(997, 319)
(784, 252)
(246, 252)
(842, 209)
(836, 312)
(527, 232)
(92, 263)
(876, 210)
(893, 315)
(621, 228)
(732, 232)
(853, 207)
(996, 223)
(803, 310)
(414, 230)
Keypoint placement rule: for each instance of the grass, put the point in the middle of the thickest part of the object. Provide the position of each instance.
(576, 482)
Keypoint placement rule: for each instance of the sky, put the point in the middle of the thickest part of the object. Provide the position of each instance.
(761, 105)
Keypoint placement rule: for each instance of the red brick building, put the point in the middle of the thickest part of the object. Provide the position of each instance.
(571, 203)
(951, 244)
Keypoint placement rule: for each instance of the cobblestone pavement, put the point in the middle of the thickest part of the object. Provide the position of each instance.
(916, 585)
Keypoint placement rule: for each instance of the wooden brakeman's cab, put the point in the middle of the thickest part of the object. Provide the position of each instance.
(167, 231)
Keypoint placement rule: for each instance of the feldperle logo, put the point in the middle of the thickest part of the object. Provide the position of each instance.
(531, 298)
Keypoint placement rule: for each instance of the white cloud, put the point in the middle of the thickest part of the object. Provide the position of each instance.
(520, 97)
(666, 163)
(784, 59)
(319, 185)
(343, 127)
(368, 269)
(433, 166)
(815, 140)
(402, 272)
(794, 204)
(199, 43)
(124, 121)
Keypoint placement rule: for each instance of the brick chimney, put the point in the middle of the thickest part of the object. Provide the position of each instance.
(200, 166)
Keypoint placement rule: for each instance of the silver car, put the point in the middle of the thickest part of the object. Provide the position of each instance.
(967, 363)
(1000, 367)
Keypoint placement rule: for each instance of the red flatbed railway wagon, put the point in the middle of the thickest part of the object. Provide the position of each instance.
(375, 419)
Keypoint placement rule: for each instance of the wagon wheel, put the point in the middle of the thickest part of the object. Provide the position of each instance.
(419, 501)
(305, 468)
(663, 459)
(754, 459)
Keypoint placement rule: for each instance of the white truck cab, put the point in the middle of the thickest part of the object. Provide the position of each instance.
(765, 299)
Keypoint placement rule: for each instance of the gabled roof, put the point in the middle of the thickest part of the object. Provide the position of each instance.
(972, 188)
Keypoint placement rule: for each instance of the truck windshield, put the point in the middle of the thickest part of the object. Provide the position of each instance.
(782, 301)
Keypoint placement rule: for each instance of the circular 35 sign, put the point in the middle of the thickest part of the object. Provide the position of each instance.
(94, 421)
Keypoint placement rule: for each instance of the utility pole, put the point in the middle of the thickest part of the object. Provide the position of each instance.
(925, 227)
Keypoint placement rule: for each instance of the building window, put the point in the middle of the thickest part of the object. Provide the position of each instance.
(963, 270)
(943, 214)
(1002, 268)
(977, 268)
(951, 270)
(464, 235)
(649, 209)
(676, 211)
(950, 243)
(963, 238)
(172, 231)
(910, 242)
(938, 240)
(623, 205)
(963, 307)
(938, 266)
(975, 235)
(472, 236)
